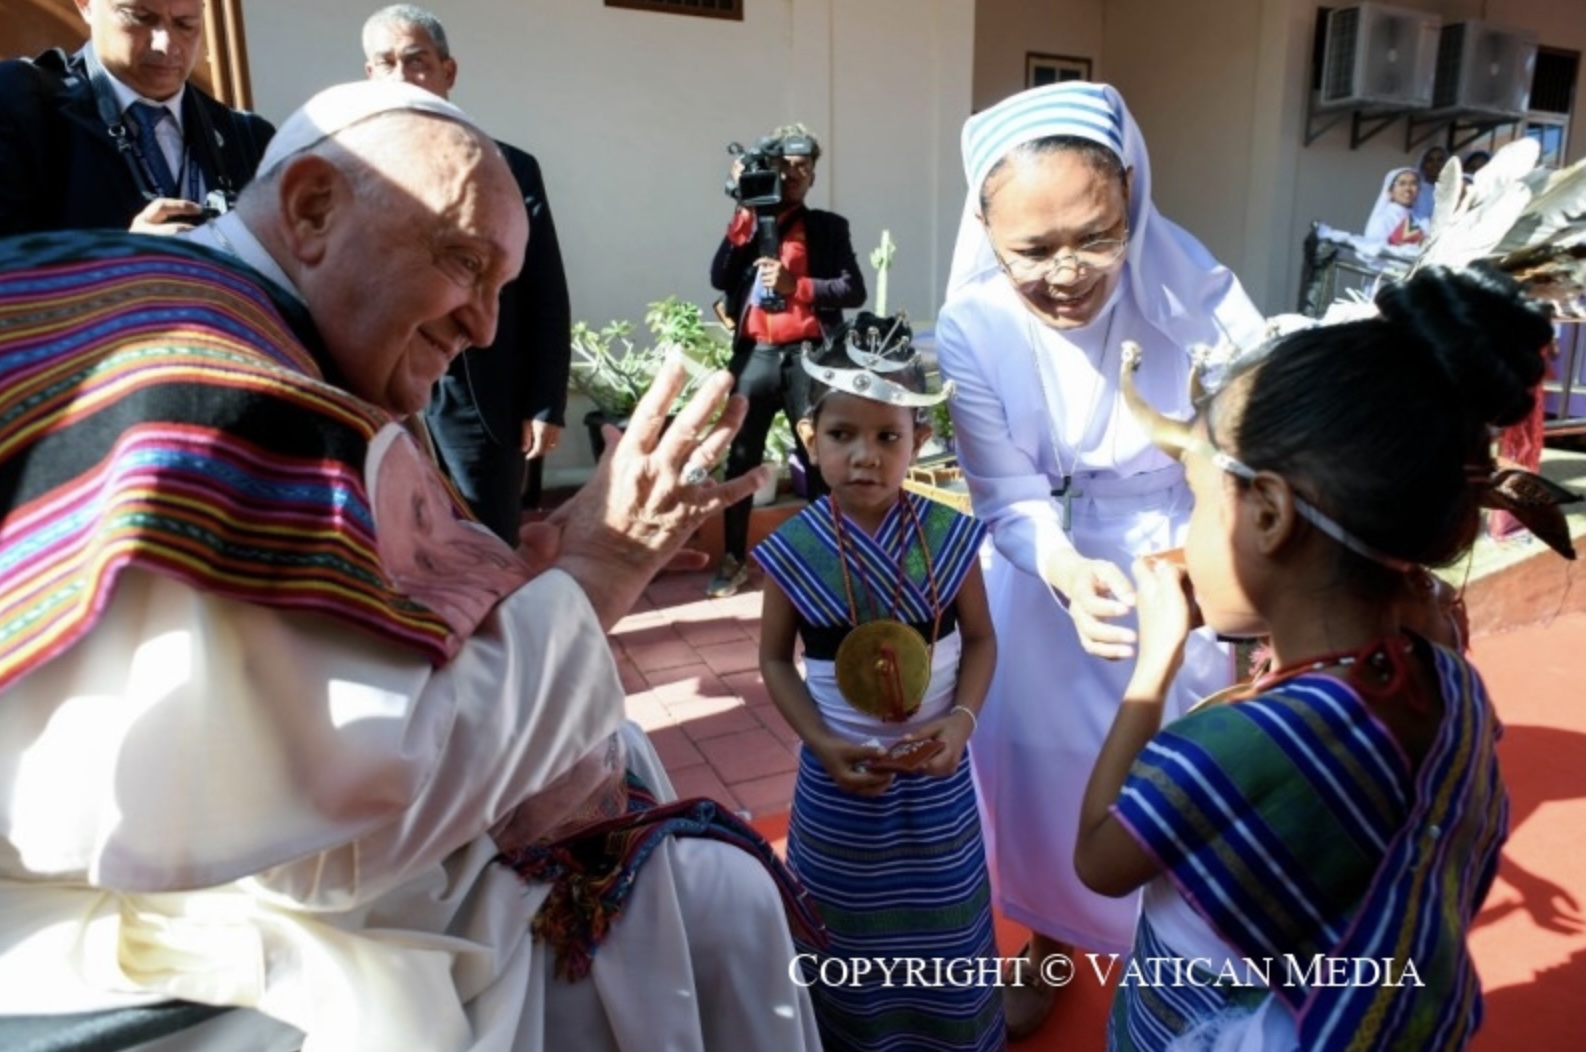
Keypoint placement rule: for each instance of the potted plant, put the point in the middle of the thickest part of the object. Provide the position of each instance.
(614, 372)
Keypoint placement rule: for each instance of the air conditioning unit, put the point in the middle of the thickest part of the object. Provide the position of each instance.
(1484, 71)
(1378, 57)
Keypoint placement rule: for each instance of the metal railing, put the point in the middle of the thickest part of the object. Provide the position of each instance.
(1332, 270)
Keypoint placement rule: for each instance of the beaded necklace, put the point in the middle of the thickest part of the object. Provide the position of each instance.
(1385, 658)
(883, 665)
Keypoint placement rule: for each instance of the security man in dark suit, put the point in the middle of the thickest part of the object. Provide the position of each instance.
(498, 411)
(114, 135)
(777, 302)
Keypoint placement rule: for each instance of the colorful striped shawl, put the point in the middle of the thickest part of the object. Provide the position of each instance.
(803, 558)
(157, 410)
(1290, 823)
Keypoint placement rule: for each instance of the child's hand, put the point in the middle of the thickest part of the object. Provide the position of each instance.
(953, 732)
(847, 762)
(1167, 613)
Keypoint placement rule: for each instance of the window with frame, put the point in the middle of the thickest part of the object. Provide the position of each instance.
(1552, 93)
(732, 9)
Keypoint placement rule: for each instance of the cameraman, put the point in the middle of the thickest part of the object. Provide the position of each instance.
(811, 278)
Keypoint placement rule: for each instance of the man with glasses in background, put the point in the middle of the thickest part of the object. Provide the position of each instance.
(498, 411)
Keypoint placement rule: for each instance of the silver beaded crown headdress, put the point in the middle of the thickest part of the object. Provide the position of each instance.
(874, 357)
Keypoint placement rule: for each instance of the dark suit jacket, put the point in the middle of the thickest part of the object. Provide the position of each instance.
(523, 375)
(59, 167)
(833, 270)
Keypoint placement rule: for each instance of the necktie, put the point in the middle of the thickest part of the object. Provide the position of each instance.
(147, 117)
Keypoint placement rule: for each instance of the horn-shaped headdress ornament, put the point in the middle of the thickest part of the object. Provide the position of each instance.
(1529, 497)
(1169, 435)
(1173, 437)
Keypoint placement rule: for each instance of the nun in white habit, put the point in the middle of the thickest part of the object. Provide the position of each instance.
(1060, 259)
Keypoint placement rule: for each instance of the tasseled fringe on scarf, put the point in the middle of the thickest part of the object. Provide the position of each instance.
(593, 870)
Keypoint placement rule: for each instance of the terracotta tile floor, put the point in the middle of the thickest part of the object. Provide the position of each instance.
(689, 665)
(691, 668)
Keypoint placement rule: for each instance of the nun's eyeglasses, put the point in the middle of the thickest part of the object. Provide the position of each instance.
(1090, 256)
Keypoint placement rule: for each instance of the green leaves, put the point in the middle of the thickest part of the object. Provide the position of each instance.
(614, 373)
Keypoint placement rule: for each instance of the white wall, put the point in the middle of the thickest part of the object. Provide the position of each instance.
(1006, 29)
(629, 113)
(901, 95)
(1188, 73)
(1220, 88)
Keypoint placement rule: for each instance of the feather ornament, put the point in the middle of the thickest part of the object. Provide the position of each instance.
(1529, 222)
(1526, 220)
(1558, 201)
(1449, 199)
(1477, 216)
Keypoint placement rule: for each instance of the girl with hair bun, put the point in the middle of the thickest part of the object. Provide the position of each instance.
(1314, 846)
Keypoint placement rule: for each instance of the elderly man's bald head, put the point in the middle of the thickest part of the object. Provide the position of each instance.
(399, 221)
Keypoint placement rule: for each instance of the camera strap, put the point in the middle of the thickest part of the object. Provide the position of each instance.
(132, 151)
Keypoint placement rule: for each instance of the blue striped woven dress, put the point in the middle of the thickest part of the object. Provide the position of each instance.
(1293, 827)
(901, 875)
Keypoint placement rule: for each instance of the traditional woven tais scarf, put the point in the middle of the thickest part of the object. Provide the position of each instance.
(593, 870)
(159, 410)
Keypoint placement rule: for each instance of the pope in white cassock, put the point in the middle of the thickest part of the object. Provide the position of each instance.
(272, 718)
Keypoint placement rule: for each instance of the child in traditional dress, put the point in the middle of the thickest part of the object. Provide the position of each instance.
(883, 588)
(1315, 848)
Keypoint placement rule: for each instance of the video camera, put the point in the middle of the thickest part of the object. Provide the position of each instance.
(759, 182)
(759, 188)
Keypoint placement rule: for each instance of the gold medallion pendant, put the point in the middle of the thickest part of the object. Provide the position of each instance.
(883, 669)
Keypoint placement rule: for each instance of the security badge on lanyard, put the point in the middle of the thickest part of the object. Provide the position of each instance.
(147, 167)
(149, 156)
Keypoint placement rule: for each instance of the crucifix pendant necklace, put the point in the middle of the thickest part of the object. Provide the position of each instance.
(1091, 434)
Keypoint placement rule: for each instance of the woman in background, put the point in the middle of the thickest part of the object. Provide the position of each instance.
(1393, 221)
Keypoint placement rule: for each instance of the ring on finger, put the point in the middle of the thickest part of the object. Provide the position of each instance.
(694, 474)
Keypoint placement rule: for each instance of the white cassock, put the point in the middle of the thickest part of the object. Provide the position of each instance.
(221, 802)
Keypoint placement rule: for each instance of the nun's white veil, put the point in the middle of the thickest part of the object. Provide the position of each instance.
(1387, 214)
(1174, 281)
